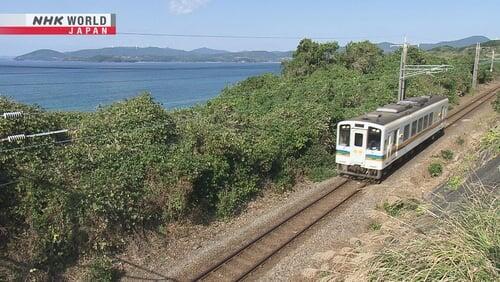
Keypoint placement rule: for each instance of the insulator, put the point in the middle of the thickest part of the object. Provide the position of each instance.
(18, 137)
(12, 115)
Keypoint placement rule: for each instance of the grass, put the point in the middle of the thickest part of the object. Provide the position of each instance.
(400, 206)
(374, 226)
(447, 154)
(102, 270)
(454, 183)
(435, 169)
(465, 246)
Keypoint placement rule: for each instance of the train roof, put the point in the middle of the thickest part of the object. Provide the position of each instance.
(391, 112)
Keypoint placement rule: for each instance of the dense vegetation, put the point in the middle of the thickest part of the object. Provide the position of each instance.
(133, 165)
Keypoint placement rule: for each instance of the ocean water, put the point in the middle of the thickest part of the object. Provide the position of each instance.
(81, 86)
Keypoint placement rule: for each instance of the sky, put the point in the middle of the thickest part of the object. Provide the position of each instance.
(376, 20)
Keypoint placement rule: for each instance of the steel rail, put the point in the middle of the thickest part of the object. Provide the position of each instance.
(472, 105)
(268, 232)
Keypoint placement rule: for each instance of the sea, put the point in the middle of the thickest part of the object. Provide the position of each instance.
(84, 86)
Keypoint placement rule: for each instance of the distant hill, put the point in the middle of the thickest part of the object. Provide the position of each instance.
(456, 43)
(208, 51)
(155, 54)
(46, 55)
(460, 43)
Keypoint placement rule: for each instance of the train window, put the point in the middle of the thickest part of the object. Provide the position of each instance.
(413, 128)
(344, 135)
(431, 118)
(358, 139)
(426, 121)
(374, 138)
(406, 132)
(420, 123)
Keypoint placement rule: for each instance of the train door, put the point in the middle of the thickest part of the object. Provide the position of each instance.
(358, 141)
(396, 140)
(389, 145)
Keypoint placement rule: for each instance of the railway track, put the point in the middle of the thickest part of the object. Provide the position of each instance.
(241, 262)
(471, 106)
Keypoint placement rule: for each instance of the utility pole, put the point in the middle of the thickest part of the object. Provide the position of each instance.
(476, 66)
(402, 66)
(492, 59)
(407, 71)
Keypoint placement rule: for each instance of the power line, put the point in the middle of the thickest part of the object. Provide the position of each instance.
(9, 183)
(81, 138)
(249, 36)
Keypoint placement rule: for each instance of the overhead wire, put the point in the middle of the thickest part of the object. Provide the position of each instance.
(90, 137)
(251, 36)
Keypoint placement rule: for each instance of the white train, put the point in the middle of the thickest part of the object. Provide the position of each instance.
(369, 144)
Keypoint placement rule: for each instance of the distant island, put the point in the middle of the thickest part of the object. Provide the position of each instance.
(156, 54)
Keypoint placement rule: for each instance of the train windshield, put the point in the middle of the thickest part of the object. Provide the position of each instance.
(344, 135)
(374, 137)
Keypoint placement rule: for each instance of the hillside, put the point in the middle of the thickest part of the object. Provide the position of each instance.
(460, 43)
(155, 54)
(472, 40)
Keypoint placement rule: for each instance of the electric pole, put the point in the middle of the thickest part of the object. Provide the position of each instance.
(476, 66)
(402, 66)
(407, 71)
(492, 59)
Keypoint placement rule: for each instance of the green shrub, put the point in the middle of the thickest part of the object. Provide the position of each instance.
(491, 140)
(454, 183)
(484, 76)
(435, 169)
(460, 140)
(397, 208)
(446, 154)
(496, 103)
(317, 163)
(102, 270)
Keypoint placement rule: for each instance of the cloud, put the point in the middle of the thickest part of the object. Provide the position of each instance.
(180, 7)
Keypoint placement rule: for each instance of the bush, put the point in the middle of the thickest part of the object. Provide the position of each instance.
(435, 169)
(496, 103)
(454, 183)
(484, 76)
(446, 154)
(491, 140)
(102, 270)
(397, 208)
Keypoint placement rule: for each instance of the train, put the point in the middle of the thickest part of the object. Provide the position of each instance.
(368, 145)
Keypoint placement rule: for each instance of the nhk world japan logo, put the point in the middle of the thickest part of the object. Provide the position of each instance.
(58, 24)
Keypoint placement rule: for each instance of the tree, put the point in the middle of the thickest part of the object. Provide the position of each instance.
(362, 56)
(310, 56)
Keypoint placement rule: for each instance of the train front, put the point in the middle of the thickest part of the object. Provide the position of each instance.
(359, 149)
